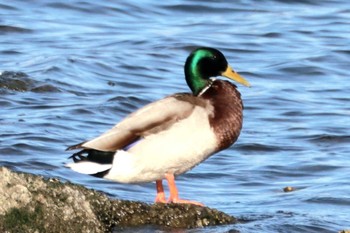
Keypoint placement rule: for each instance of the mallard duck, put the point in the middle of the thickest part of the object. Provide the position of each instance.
(169, 137)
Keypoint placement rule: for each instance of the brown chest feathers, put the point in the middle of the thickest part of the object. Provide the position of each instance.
(228, 112)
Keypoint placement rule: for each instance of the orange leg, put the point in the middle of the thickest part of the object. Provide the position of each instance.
(160, 192)
(174, 194)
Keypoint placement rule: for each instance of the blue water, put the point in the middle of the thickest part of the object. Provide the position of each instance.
(88, 64)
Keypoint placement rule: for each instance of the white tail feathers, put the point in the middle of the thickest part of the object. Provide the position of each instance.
(87, 167)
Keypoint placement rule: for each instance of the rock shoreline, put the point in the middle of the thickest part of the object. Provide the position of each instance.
(32, 203)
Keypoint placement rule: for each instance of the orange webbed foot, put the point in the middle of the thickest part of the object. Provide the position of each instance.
(182, 201)
(174, 194)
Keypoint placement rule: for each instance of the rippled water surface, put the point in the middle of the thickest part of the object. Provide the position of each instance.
(72, 69)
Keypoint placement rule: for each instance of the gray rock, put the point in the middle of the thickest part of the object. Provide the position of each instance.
(34, 204)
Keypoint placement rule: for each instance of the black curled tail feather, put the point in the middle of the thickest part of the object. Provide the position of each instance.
(95, 156)
(102, 157)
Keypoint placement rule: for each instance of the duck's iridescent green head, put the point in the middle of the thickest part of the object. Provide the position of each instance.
(204, 63)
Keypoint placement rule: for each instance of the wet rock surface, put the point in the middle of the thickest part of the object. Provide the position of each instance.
(19, 81)
(34, 204)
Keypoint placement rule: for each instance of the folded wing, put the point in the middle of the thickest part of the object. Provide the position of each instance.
(150, 119)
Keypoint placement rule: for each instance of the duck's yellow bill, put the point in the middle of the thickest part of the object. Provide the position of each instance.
(231, 74)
